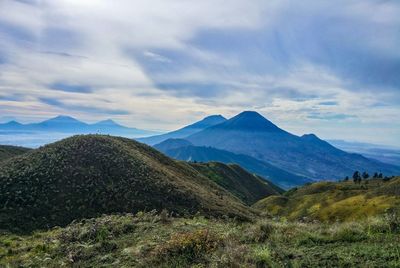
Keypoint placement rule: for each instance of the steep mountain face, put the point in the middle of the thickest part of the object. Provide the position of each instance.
(183, 150)
(329, 201)
(8, 151)
(246, 186)
(251, 134)
(185, 131)
(86, 176)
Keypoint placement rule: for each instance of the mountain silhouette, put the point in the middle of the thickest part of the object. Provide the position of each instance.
(68, 124)
(251, 134)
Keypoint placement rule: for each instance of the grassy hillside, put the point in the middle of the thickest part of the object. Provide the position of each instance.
(86, 176)
(246, 186)
(329, 201)
(8, 151)
(157, 240)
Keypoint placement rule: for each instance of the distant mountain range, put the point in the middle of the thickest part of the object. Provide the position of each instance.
(67, 124)
(305, 158)
(38, 134)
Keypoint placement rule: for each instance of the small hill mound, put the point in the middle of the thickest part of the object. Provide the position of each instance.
(85, 176)
(246, 186)
(8, 151)
(332, 201)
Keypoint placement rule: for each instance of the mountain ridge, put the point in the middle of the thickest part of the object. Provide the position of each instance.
(206, 122)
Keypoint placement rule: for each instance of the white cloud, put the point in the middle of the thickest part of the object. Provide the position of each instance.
(98, 44)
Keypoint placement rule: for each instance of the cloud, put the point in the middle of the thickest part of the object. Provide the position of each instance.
(293, 61)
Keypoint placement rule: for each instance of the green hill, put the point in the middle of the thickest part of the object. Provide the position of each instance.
(8, 151)
(86, 176)
(246, 186)
(329, 201)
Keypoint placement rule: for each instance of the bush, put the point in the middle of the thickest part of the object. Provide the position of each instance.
(259, 232)
(349, 233)
(393, 221)
(187, 246)
(262, 257)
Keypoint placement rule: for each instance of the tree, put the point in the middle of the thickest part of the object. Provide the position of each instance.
(375, 175)
(380, 176)
(365, 175)
(347, 178)
(356, 177)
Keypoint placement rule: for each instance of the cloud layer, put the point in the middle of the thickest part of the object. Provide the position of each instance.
(328, 67)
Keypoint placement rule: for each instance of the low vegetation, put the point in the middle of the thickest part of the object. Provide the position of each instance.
(157, 240)
(336, 201)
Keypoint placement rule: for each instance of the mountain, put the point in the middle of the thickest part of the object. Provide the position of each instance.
(11, 125)
(185, 131)
(183, 150)
(8, 151)
(86, 176)
(251, 134)
(332, 201)
(60, 123)
(246, 186)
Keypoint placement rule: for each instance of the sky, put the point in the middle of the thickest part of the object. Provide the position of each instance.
(327, 67)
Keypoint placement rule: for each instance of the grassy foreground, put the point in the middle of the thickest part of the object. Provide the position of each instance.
(157, 240)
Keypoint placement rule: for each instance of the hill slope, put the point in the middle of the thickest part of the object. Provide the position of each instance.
(182, 150)
(328, 201)
(8, 151)
(251, 134)
(246, 186)
(185, 131)
(85, 176)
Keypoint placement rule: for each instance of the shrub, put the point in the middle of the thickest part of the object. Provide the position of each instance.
(262, 256)
(393, 221)
(348, 233)
(259, 232)
(189, 246)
